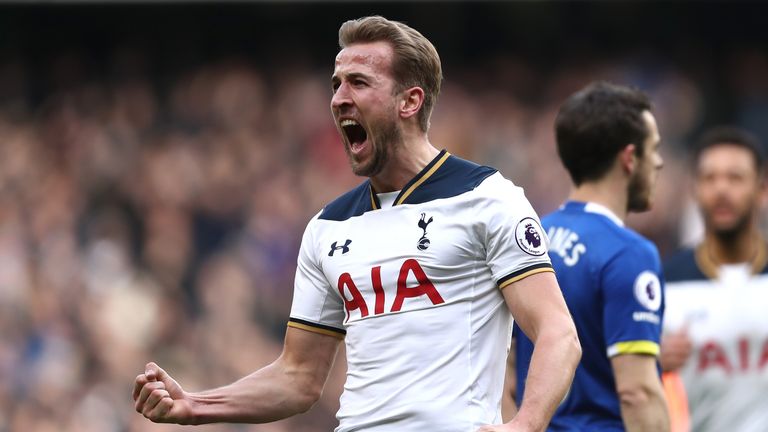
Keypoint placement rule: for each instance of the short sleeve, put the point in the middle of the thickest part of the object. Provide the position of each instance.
(316, 306)
(633, 301)
(516, 246)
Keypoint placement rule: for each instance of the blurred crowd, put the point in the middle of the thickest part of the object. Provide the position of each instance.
(144, 220)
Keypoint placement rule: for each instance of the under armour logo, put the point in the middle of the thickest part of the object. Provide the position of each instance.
(344, 248)
(423, 243)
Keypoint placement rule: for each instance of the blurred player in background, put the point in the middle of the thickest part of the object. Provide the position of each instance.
(608, 141)
(417, 270)
(716, 330)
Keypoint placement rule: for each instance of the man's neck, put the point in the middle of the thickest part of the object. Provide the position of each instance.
(739, 247)
(606, 192)
(406, 161)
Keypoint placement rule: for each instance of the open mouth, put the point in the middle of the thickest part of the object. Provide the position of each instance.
(356, 134)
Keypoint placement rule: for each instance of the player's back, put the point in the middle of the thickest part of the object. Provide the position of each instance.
(597, 260)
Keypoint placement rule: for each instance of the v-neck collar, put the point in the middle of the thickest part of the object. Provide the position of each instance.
(414, 183)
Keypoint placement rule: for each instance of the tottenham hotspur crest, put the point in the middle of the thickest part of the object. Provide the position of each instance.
(423, 243)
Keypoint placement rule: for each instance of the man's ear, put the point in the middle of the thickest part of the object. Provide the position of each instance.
(628, 159)
(411, 103)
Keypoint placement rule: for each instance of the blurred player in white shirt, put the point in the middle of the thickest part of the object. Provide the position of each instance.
(716, 327)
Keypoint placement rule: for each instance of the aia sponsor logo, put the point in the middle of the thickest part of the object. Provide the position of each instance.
(745, 355)
(355, 301)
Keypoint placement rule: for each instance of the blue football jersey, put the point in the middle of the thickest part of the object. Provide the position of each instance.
(611, 280)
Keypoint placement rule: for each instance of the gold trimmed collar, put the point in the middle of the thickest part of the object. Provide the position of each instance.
(423, 176)
(412, 185)
(710, 268)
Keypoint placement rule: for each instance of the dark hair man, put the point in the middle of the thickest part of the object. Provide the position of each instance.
(608, 141)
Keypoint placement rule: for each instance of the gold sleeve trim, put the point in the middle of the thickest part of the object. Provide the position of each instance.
(522, 276)
(315, 330)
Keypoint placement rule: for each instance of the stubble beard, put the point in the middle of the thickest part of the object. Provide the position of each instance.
(730, 233)
(639, 194)
(383, 143)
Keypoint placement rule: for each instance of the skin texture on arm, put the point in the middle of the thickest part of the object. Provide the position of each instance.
(508, 405)
(288, 386)
(537, 304)
(641, 395)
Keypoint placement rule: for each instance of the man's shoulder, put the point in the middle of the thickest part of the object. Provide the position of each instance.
(631, 249)
(466, 170)
(350, 204)
(635, 238)
(447, 177)
(682, 266)
(602, 232)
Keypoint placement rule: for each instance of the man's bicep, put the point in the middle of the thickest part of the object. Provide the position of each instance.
(310, 352)
(634, 369)
(534, 300)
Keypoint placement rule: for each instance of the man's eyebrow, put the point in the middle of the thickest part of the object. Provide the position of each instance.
(349, 75)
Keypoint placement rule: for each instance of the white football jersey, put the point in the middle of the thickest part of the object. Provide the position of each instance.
(415, 290)
(725, 310)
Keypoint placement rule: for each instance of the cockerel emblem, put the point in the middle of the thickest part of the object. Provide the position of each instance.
(423, 243)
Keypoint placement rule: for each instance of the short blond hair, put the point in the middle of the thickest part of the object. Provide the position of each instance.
(415, 63)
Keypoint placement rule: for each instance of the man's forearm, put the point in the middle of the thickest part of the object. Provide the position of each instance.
(555, 356)
(644, 409)
(290, 385)
(269, 394)
(641, 395)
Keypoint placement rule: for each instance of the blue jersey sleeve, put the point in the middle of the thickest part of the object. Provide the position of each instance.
(633, 301)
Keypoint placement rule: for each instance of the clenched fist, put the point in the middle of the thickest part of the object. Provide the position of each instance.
(160, 398)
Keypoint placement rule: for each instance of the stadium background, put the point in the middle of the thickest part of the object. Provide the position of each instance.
(158, 163)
